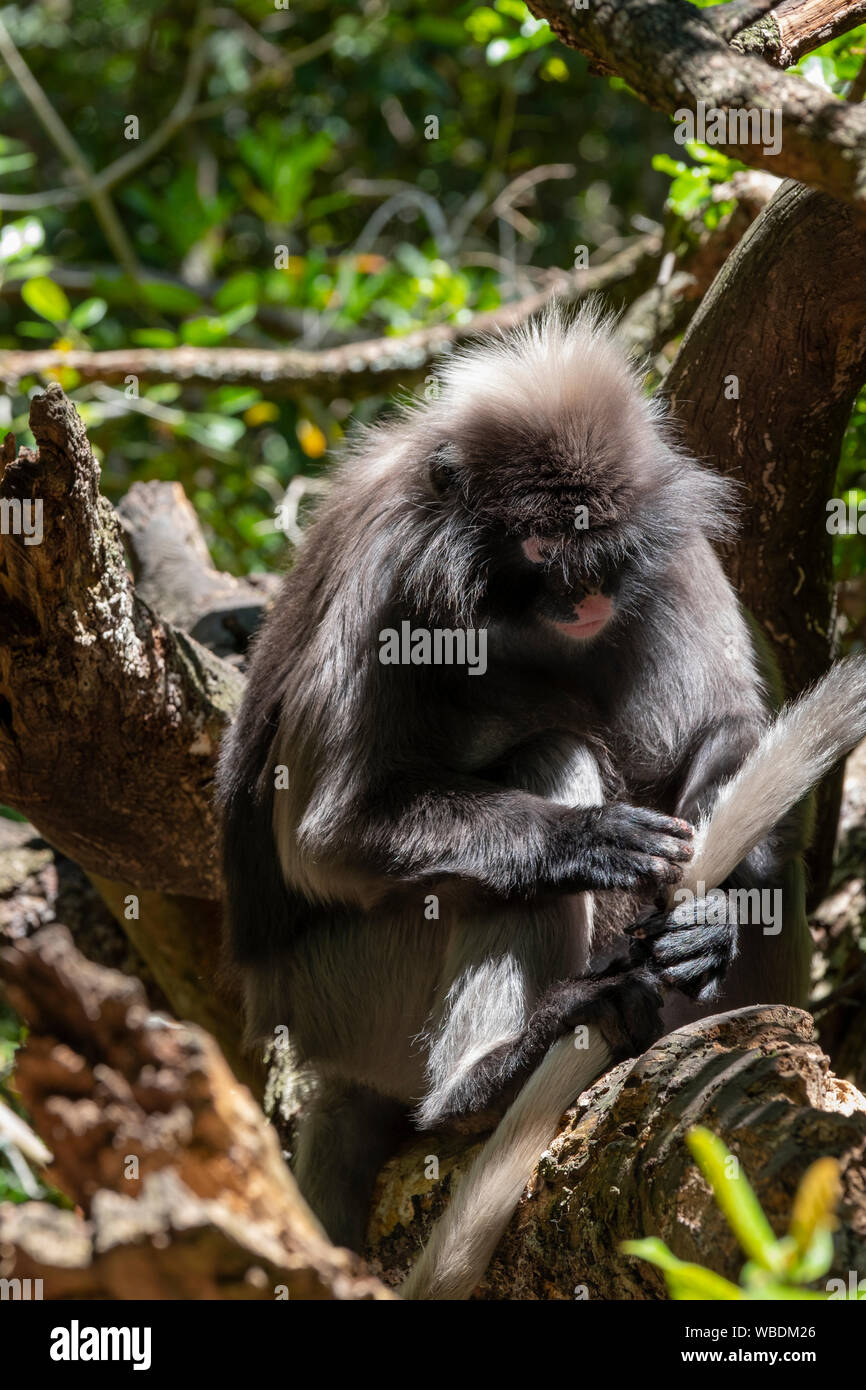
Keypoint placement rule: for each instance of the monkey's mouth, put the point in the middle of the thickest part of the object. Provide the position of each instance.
(590, 616)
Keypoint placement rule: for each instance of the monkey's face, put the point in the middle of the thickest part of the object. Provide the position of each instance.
(580, 610)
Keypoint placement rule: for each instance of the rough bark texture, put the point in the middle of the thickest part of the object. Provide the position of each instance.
(182, 1190)
(110, 720)
(175, 575)
(795, 287)
(620, 1168)
(798, 26)
(840, 994)
(672, 58)
(39, 887)
(129, 709)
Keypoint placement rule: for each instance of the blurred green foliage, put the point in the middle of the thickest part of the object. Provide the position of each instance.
(384, 230)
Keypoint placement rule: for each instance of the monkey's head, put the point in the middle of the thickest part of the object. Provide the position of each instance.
(555, 469)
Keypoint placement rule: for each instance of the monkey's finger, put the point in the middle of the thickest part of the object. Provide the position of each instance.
(683, 945)
(663, 847)
(663, 825)
(692, 974)
(648, 928)
(652, 839)
(650, 869)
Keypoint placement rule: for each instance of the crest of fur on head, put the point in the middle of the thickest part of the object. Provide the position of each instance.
(533, 430)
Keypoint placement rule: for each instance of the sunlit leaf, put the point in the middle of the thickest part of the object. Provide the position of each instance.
(735, 1197)
(46, 298)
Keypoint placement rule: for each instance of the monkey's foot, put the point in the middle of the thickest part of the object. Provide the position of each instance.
(624, 1006)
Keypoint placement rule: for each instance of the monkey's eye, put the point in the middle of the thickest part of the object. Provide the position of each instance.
(537, 549)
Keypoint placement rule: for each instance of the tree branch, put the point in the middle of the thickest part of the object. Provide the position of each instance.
(103, 207)
(763, 388)
(620, 1168)
(80, 652)
(185, 111)
(181, 1183)
(374, 365)
(796, 27)
(672, 59)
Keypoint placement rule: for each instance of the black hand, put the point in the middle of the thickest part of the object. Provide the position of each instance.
(625, 847)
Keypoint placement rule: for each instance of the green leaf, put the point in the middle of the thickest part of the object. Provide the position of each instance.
(684, 1280)
(216, 432)
(736, 1199)
(88, 313)
(154, 337)
(47, 299)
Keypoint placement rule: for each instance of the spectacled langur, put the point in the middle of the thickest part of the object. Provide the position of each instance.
(457, 869)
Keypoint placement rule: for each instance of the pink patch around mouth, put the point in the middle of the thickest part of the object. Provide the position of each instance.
(590, 617)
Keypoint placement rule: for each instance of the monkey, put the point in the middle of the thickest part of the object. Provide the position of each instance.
(435, 874)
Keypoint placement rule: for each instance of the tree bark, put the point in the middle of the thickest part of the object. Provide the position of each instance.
(183, 1192)
(181, 1188)
(673, 58)
(796, 27)
(110, 720)
(80, 652)
(784, 325)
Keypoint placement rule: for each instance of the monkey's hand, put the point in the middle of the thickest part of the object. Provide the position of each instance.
(625, 847)
(691, 948)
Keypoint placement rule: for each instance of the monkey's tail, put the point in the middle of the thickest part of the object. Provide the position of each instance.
(795, 752)
(797, 749)
(462, 1242)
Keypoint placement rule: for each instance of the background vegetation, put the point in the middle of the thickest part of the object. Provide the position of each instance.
(323, 153)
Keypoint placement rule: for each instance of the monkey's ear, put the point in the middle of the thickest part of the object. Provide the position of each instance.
(442, 464)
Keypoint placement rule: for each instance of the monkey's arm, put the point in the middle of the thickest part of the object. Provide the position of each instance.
(509, 843)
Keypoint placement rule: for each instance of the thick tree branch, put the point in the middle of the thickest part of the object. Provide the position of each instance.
(183, 1191)
(763, 387)
(672, 59)
(620, 1168)
(80, 652)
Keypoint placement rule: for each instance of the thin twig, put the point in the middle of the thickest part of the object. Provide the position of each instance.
(99, 200)
(185, 111)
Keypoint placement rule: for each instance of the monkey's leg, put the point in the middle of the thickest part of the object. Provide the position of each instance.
(495, 972)
(342, 1143)
(511, 989)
